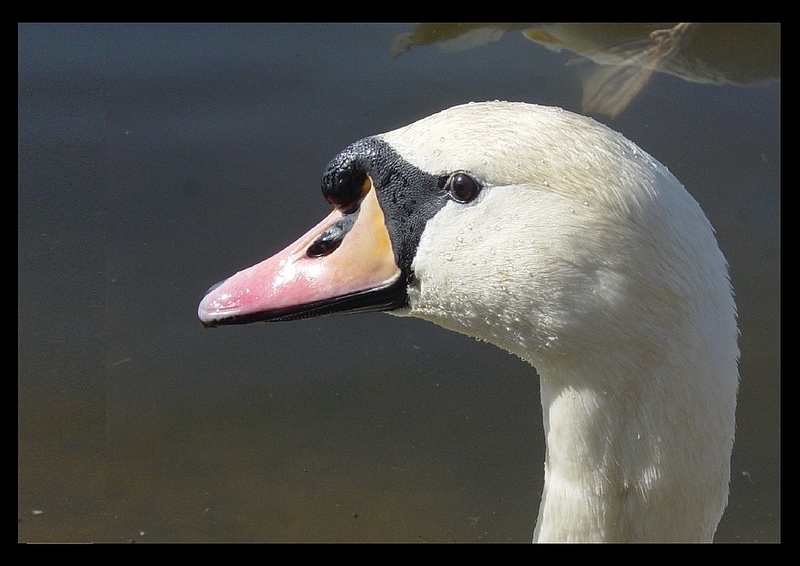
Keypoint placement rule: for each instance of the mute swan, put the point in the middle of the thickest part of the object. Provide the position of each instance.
(559, 240)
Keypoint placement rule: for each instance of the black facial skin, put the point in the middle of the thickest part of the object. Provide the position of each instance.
(408, 196)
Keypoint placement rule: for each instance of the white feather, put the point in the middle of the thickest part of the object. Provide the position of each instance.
(586, 257)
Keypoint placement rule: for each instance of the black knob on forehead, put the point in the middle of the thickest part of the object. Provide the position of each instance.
(344, 180)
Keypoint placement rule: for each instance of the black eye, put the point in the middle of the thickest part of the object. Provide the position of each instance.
(462, 188)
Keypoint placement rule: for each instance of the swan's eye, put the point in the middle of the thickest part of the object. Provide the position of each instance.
(462, 188)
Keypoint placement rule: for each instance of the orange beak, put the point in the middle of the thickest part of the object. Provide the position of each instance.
(343, 264)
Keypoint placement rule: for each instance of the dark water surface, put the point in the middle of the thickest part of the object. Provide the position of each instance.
(155, 160)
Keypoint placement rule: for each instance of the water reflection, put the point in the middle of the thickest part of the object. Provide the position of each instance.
(617, 60)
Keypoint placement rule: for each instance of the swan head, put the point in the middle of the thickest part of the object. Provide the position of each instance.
(534, 228)
(559, 240)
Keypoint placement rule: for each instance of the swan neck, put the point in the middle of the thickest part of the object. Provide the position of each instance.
(623, 465)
